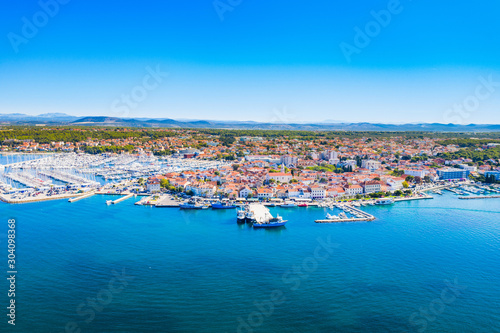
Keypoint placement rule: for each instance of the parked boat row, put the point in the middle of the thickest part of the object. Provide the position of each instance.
(355, 215)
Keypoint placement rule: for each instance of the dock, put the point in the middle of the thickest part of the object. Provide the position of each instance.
(365, 216)
(168, 202)
(75, 199)
(481, 197)
(414, 198)
(260, 212)
(353, 219)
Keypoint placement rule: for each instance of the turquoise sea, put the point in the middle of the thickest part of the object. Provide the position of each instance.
(421, 266)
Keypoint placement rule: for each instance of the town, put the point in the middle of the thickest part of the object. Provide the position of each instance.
(237, 164)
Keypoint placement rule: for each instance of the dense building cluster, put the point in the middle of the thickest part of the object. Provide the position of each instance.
(291, 166)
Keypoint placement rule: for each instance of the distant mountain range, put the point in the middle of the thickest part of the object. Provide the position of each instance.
(65, 119)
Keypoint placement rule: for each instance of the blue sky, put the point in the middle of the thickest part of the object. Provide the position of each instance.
(304, 61)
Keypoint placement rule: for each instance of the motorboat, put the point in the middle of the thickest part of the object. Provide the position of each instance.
(384, 201)
(288, 204)
(271, 223)
(223, 205)
(241, 216)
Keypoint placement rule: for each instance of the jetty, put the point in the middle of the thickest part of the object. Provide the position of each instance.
(480, 197)
(128, 196)
(87, 195)
(424, 197)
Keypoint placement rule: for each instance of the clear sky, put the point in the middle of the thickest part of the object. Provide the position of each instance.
(293, 61)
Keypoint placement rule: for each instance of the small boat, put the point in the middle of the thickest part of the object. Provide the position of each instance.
(223, 205)
(302, 205)
(384, 201)
(249, 217)
(288, 204)
(342, 215)
(191, 204)
(271, 223)
(331, 217)
(241, 216)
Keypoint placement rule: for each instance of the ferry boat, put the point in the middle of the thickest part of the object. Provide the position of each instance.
(271, 223)
(288, 204)
(223, 205)
(384, 201)
(241, 216)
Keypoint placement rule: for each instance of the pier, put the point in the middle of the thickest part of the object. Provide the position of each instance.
(27, 180)
(88, 195)
(67, 177)
(481, 197)
(351, 210)
(414, 198)
(351, 219)
(260, 212)
(128, 196)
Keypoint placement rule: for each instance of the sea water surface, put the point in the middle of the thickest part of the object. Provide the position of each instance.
(421, 266)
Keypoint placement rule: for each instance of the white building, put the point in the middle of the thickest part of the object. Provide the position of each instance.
(289, 161)
(470, 168)
(370, 164)
(265, 193)
(395, 183)
(153, 186)
(353, 190)
(318, 192)
(373, 186)
(351, 163)
(245, 192)
(279, 176)
(299, 193)
(207, 190)
(416, 172)
(331, 156)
